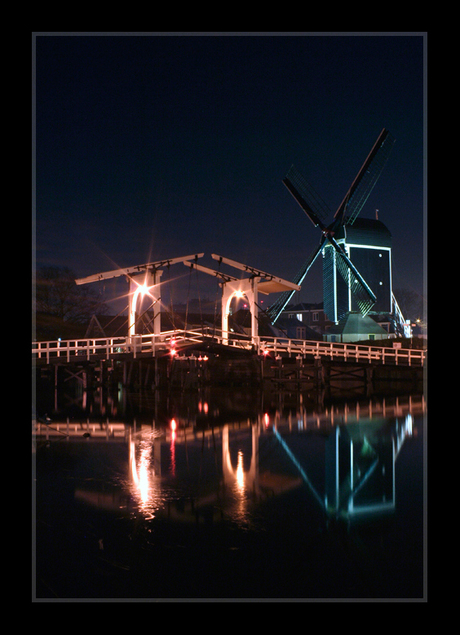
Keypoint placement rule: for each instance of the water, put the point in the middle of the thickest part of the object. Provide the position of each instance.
(197, 501)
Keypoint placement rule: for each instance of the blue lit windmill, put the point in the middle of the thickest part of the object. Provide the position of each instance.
(363, 283)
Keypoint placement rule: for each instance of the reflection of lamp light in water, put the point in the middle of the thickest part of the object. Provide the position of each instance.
(132, 460)
(240, 473)
(143, 475)
(173, 447)
(408, 422)
(239, 490)
(146, 486)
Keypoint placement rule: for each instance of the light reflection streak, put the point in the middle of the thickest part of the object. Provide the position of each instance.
(145, 482)
(240, 474)
(298, 466)
(172, 467)
(408, 422)
(240, 489)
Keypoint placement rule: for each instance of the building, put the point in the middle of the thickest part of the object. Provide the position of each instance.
(294, 328)
(310, 315)
(316, 324)
(353, 327)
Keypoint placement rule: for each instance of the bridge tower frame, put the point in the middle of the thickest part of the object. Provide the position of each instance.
(258, 282)
(142, 278)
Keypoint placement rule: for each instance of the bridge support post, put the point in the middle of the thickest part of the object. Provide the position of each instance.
(247, 287)
(369, 381)
(144, 284)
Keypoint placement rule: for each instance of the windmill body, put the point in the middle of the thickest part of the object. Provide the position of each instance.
(367, 244)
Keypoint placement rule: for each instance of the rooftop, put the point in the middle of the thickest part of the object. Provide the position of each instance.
(356, 324)
(366, 231)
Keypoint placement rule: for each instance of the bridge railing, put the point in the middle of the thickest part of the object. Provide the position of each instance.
(342, 351)
(168, 341)
(84, 348)
(77, 348)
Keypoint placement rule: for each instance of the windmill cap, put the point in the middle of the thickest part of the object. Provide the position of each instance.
(366, 231)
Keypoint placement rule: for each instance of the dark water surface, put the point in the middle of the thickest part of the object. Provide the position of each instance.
(286, 503)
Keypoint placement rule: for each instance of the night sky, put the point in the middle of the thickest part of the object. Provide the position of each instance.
(158, 146)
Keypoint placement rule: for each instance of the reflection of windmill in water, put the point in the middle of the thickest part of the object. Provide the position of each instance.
(356, 252)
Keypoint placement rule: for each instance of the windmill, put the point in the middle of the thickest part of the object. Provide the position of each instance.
(332, 242)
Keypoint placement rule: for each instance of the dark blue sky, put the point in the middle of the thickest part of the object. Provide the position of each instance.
(150, 147)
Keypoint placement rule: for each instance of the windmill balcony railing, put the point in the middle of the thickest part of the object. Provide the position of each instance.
(175, 340)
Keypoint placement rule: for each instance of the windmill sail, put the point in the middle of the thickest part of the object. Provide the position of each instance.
(366, 179)
(309, 200)
(278, 307)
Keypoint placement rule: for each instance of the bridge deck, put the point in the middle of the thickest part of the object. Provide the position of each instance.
(179, 341)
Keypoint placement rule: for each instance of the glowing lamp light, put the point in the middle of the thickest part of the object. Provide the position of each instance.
(142, 290)
(173, 424)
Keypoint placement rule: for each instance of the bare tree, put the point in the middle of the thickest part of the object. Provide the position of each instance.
(410, 303)
(57, 295)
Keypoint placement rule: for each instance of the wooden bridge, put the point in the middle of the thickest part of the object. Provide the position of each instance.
(144, 282)
(178, 343)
